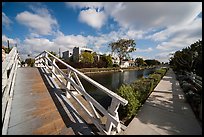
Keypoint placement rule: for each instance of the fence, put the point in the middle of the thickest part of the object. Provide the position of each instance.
(9, 69)
(112, 125)
(197, 80)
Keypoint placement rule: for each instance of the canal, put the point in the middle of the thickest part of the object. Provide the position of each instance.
(112, 81)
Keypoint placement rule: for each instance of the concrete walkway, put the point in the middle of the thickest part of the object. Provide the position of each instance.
(165, 112)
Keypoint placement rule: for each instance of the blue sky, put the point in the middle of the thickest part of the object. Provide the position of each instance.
(158, 29)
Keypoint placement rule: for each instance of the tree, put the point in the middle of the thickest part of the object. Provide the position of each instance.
(151, 62)
(87, 57)
(139, 61)
(107, 60)
(188, 59)
(53, 53)
(123, 47)
(30, 62)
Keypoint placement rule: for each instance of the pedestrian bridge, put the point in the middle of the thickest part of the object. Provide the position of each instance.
(45, 100)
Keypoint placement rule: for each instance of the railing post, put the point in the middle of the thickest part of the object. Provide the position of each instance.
(68, 83)
(112, 109)
(46, 61)
(200, 115)
(53, 68)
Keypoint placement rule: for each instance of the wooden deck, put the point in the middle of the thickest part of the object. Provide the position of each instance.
(40, 108)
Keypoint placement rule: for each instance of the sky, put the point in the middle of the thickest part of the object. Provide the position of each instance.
(158, 28)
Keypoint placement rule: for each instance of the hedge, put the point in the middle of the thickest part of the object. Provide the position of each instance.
(137, 92)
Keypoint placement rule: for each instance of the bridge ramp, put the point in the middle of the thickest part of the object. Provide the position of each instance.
(38, 108)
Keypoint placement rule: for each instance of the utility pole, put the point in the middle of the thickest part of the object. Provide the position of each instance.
(59, 53)
(8, 44)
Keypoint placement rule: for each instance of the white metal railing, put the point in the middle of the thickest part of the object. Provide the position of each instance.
(194, 78)
(112, 125)
(197, 80)
(9, 69)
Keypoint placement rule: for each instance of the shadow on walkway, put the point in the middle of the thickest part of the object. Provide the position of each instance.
(166, 111)
(68, 113)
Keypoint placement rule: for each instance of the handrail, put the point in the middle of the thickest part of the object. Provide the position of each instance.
(9, 70)
(194, 78)
(112, 124)
(109, 92)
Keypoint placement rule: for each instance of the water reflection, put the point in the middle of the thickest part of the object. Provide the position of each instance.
(112, 81)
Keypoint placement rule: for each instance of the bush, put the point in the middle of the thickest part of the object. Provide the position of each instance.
(127, 92)
(137, 93)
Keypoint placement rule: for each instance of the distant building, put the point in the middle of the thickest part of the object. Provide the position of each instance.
(124, 64)
(77, 51)
(127, 63)
(66, 55)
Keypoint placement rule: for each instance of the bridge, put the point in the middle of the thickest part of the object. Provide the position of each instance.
(45, 100)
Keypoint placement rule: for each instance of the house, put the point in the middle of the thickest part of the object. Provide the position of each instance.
(124, 64)
(127, 63)
(66, 55)
(77, 51)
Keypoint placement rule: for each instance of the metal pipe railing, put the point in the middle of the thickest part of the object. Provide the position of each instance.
(112, 123)
(9, 70)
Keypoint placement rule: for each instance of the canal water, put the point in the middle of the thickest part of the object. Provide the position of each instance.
(112, 81)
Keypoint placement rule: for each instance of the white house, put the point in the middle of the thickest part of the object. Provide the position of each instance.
(127, 63)
(124, 64)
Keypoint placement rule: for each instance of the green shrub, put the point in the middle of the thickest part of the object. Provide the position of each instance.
(127, 92)
(156, 77)
(137, 93)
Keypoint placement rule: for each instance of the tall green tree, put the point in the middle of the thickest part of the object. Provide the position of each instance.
(140, 62)
(123, 47)
(87, 57)
(30, 62)
(107, 60)
(188, 59)
(151, 62)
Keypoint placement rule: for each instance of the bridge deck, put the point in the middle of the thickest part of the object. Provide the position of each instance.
(41, 109)
(165, 112)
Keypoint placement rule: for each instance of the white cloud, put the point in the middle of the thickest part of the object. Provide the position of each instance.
(12, 42)
(132, 34)
(35, 46)
(164, 56)
(181, 36)
(41, 23)
(95, 19)
(5, 20)
(70, 41)
(144, 50)
(143, 15)
(85, 4)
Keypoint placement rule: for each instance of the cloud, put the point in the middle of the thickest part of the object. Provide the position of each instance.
(181, 36)
(93, 18)
(35, 46)
(41, 22)
(12, 42)
(70, 41)
(85, 4)
(164, 56)
(144, 50)
(5, 20)
(143, 15)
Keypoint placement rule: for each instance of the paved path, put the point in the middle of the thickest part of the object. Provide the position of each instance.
(165, 112)
(39, 107)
